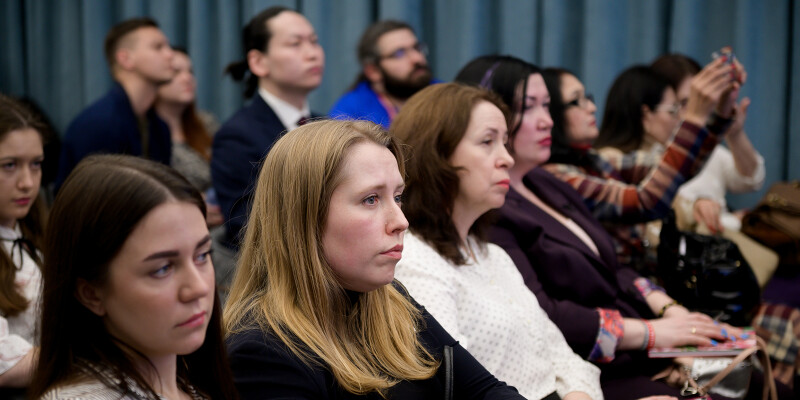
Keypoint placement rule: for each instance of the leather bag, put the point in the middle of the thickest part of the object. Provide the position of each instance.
(775, 222)
(707, 274)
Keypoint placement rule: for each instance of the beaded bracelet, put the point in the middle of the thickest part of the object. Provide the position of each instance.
(666, 306)
(651, 335)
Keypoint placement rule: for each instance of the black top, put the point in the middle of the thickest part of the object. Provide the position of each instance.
(264, 368)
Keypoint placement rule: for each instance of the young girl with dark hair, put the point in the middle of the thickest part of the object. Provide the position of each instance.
(21, 229)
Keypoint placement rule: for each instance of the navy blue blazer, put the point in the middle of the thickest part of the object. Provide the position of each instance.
(568, 278)
(239, 147)
(109, 126)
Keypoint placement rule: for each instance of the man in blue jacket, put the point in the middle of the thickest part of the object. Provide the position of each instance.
(394, 67)
(124, 121)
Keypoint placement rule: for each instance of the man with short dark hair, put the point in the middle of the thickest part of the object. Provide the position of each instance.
(124, 121)
(394, 67)
(283, 63)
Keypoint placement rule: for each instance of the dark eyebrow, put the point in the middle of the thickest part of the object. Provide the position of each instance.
(203, 241)
(173, 253)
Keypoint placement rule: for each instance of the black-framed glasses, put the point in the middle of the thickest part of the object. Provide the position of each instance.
(402, 52)
(582, 101)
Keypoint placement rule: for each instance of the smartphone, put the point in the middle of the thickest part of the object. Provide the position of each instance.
(726, 51)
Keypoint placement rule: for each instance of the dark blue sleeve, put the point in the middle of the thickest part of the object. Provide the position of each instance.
(87, 134)
(263, 368)
(234, 167)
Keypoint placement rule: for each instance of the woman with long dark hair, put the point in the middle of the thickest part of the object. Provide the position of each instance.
(624, 188)
(129, 307)
(21, 230)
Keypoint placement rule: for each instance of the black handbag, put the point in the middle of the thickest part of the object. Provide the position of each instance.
(707, 274)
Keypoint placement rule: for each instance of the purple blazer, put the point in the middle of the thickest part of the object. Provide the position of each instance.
(568, 278)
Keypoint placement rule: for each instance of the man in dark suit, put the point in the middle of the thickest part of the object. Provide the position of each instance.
(285, 63)
(124, 121)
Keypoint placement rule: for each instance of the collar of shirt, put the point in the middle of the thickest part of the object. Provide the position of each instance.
(287, 113)
(10, 233)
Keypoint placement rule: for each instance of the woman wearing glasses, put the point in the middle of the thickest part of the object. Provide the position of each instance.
(626, 182)
(738, 168)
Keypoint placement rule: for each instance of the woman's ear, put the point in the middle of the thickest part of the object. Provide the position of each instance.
(647, 117)
(90, 296)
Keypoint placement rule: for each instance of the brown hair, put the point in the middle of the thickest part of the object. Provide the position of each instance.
(676, 67)
(432, 123)
(197, 136)
(14, 116)
(622, 126)
(118, 32)
(94, 213)
(285, 286)
(367, 50)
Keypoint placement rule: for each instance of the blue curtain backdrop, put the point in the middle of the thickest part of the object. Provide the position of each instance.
(51, 50)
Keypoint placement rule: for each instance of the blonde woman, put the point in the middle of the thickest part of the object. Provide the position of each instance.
(314, 311)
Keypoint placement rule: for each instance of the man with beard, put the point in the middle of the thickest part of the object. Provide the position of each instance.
(394, 67)
(124, 120)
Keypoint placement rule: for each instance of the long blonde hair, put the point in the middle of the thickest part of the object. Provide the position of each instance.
(285, 286)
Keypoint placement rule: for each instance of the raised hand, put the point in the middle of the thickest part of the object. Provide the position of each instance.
(707, 89)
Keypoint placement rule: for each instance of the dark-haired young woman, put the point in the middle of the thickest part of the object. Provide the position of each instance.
(129, 309)
(626, 188)
(21, 229)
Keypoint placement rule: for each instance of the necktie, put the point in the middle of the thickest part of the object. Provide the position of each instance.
(303, 120)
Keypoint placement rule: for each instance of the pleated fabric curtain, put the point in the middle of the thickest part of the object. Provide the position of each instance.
(51, 50)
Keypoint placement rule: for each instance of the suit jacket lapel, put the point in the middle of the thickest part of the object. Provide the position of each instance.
(262, 112)
(556, 230)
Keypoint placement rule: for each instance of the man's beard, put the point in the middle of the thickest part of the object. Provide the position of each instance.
(405, 88)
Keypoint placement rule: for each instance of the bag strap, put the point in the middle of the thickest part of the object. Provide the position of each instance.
(761, 350)
(448, 372)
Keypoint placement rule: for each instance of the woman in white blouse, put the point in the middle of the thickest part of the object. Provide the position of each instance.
(21, 155)
(457, 172)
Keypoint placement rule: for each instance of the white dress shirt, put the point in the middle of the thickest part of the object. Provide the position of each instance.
(287, 113)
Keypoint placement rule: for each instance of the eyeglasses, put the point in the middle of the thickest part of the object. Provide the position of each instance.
(673, 109)
(403, 51)
(582, 101)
